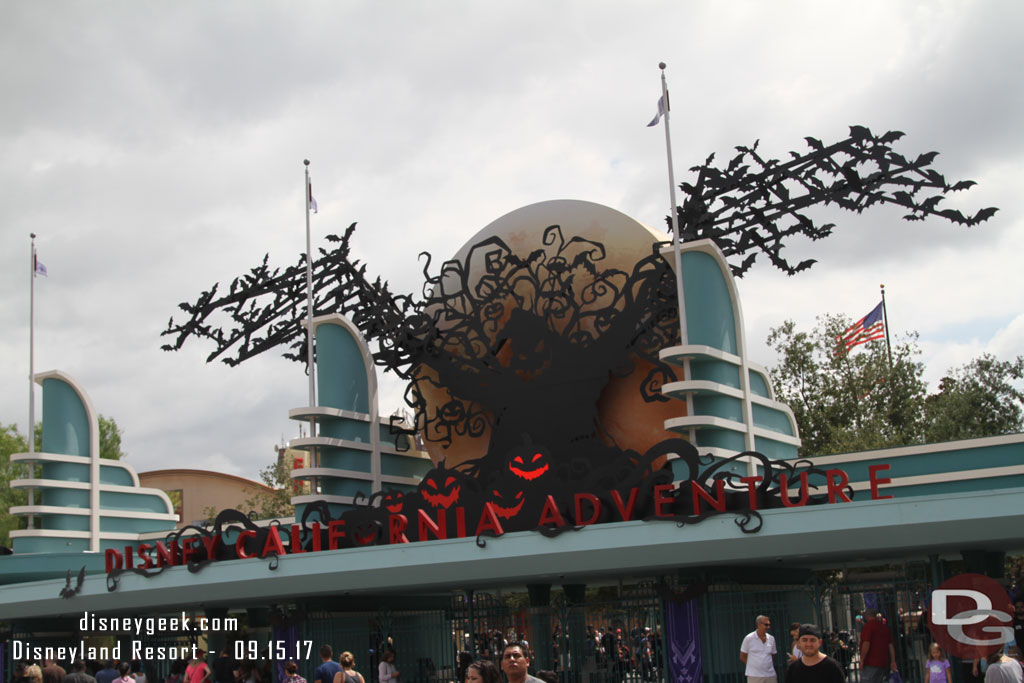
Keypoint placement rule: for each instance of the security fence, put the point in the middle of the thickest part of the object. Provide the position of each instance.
(656, 631)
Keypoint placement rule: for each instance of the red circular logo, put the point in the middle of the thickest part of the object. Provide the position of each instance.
(971, 616)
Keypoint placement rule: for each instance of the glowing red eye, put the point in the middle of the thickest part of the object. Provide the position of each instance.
(537, 456)
(431, 483)
(495, 494)
(519, 495)
(518, 459)
(449, 481)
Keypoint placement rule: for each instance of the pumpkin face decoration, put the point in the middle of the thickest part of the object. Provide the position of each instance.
(366, 532)
(529, 463)
(392, 500)
(441, 487)
(363, 526)
(507, 501)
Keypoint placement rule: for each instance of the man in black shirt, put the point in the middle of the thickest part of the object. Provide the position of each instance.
(814, 666)
(224, 667)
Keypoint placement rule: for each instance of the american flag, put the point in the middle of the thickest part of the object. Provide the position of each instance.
(868, 328)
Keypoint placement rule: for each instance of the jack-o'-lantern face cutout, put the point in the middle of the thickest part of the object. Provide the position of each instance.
(392, 501)
(453, 412)
(529, 463)
(365, 533)
(363, 526)
(508, 504)
(441, 487)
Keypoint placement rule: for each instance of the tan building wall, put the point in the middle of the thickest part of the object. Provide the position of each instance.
(295, 459)
(200, 489)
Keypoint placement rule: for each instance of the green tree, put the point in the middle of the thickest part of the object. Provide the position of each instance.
(977, 399)
(277, 502)
(110, 438)
(852, 401)
(210, 513)
(11, 441)
(848, 401)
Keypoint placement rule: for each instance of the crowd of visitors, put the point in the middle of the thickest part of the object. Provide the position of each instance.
(610, 655)
(222, 669)
(871, 658)
(610, 651)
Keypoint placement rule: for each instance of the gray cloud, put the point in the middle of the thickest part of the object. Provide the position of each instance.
(156, 149)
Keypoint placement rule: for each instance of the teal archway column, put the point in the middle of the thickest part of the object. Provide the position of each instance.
(354, 451)
(734, 409)
(83, 503)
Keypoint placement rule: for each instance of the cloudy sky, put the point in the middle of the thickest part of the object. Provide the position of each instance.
(157, 147)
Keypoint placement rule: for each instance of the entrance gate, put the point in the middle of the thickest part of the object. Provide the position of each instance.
(422, 639)
(637, 646)
(729, 611)
(901, 599)
(631, 646)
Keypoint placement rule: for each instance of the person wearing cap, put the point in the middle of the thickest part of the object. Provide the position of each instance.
(757, 651)
(813, 666)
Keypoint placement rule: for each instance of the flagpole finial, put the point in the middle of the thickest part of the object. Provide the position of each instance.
(661, 65)
(306, 162)
(32, 235)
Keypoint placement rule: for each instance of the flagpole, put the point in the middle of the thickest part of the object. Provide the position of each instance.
(32, 371)
(309, 305)
(684, 337)
(885, 319)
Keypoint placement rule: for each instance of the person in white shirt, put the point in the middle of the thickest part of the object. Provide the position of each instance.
(1003, 669)
(386, 671)
(757, 651)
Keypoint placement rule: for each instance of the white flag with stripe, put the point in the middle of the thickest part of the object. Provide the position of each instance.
(661, 112)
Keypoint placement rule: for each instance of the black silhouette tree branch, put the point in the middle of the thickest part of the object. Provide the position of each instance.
(753, 205)
(484, 325)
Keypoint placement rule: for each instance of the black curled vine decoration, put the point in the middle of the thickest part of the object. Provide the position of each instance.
(172, 549)
(450, 503)
(508, 340)
(502, 335)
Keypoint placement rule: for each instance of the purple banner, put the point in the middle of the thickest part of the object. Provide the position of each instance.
(289, 635)
(683, 630)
